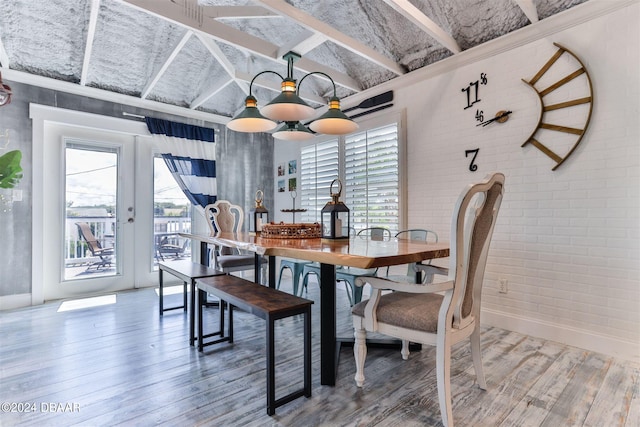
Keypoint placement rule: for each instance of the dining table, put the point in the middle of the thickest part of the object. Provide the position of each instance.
(352, 252)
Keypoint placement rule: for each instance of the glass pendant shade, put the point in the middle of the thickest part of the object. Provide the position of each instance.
(250, 119)
(293, 131)
(334, 121)
(288, 106)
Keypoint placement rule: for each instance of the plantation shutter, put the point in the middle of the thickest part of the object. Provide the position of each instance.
(372, 178)
(318, 167)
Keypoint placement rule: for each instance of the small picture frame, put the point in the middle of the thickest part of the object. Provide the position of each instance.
(281, 186)
(282, 169)
(293, 184)
(293, 167)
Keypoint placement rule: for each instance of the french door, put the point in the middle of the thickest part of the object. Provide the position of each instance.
(97, 208)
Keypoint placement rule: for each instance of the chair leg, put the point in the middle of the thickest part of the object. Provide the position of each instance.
(405, 350)
(296, 282)
(476, 354)
(280, 278)
(443, 373)
(349, 288)
(360, 354)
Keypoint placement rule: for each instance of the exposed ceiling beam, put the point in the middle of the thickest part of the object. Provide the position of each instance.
(4, 58)
(166, 9)
(88, 48)
(529, 10)
(176, 50)
(303, 45)
(208, 94)
(242, 12)
(337, 37)
(413, 14)
(219, 56)
(105, 95)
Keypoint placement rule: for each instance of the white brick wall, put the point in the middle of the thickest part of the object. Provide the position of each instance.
(566, 240)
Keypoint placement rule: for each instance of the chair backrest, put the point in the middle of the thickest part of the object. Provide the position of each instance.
(474, 218)
(418, 234)
(224, 216)
(375, 233)
(92, 243)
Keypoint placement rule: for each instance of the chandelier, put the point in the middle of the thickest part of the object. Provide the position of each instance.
(291, 110)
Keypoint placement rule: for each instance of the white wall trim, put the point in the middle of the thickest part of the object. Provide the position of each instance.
(580, 338)
(10, 302)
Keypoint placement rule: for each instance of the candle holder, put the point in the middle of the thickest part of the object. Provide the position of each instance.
(334, 216)
(259, 215)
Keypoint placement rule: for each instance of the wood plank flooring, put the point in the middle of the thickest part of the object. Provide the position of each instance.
(122, 364)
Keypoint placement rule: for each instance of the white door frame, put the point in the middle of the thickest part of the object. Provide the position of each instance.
(41, 116)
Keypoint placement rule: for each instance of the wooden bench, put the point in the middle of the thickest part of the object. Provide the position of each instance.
(268, 304)
(187, 271)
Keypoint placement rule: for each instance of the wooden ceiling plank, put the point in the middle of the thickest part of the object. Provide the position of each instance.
(426, 24)
(88, 48)
(337, 37)
(166, 9)
(529, 9)
(176, 50)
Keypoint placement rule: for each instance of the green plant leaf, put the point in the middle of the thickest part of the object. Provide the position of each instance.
(10, 170)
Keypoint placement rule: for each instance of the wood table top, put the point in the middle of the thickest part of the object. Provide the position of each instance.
(355, 252)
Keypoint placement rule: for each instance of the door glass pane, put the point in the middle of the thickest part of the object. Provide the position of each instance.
(172, 215)
(91, 182)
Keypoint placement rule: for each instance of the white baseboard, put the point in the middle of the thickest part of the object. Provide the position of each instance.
(611, 346)
(15, 301)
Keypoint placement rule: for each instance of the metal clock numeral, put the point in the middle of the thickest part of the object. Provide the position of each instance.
(472, 166)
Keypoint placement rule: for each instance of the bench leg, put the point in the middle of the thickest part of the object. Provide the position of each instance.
(307, 352)
(160, 293)
(202, 296)
(230, 324)
(192, 314)
(271, 371)
(184, 296)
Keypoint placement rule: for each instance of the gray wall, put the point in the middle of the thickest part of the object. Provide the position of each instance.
(244, 162)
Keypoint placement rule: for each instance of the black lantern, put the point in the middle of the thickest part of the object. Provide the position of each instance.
(259, 215)
(334, 217)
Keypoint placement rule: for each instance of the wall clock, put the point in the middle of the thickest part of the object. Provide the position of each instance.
(565, 92)
(569, 117)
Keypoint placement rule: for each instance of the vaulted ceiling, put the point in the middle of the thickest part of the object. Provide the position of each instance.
(200, 55)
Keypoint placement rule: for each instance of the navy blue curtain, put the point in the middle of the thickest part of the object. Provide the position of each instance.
(189, 153)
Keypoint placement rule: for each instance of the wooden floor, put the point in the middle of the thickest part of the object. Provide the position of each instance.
(123, 365)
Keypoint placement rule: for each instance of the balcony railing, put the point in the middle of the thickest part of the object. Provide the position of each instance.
(76, 251)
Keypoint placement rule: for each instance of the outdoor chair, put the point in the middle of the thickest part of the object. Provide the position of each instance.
(94, 246)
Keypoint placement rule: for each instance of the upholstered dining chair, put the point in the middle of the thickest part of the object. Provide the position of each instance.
(223, 216)
(444, 313)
